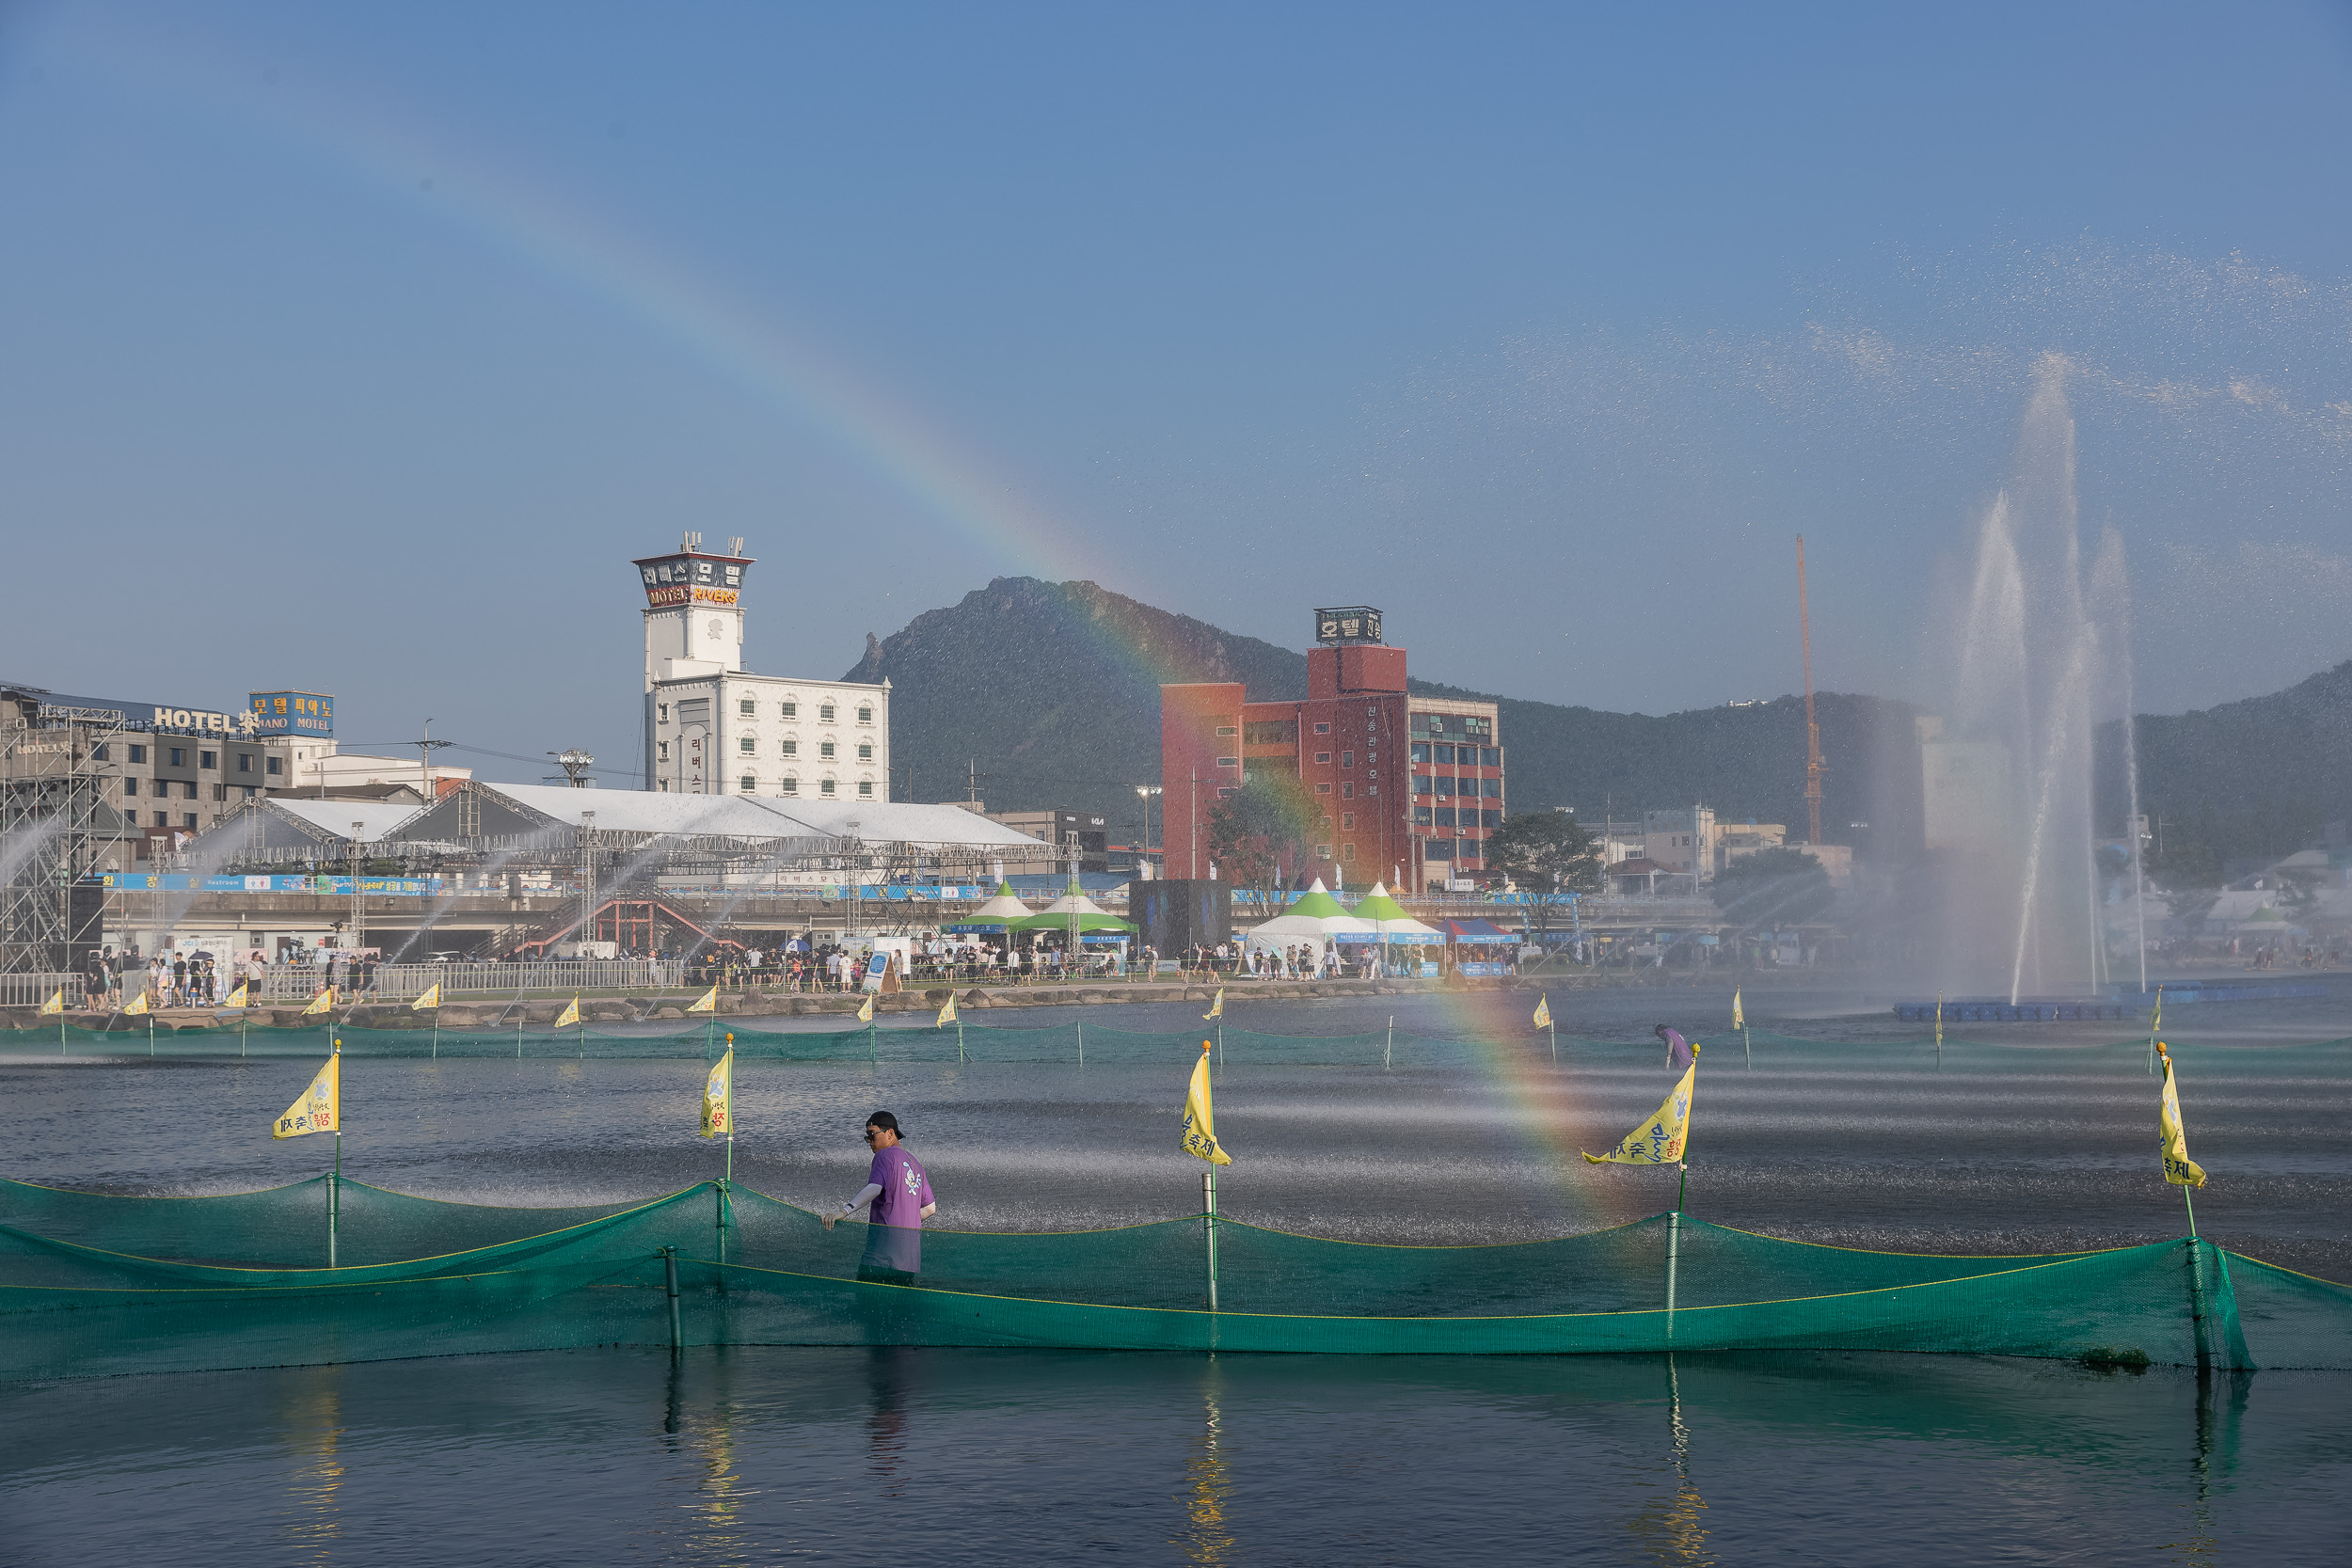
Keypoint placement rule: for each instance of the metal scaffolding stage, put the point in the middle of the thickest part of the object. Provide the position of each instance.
(56, 828)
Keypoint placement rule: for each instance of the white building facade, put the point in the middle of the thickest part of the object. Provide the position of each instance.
(713, 728)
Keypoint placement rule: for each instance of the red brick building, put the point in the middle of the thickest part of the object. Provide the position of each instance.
(1410, 785)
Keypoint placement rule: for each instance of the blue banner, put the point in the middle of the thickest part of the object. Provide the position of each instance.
(387, 887)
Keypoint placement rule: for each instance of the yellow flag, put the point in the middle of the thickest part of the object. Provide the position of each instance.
(1543, 1011)
(710, 1003)
(866, 1013)
(1216, 1008)
(715, 1088)
(56, 1002)
(138, 1005)
(432, 998)
(569, 1015)
(1739, 1019)
(1199, 1123)
(320, 1108)
(322, 1002)
(947, 1013)
(237, 998)
(1659, 1140)
(2172, 1140)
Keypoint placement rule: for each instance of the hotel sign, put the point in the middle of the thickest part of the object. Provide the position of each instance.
(679, 592)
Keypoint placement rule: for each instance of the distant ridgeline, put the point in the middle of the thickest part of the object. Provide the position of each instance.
(1052, 692)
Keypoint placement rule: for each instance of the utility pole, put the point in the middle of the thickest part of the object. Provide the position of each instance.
(587, 878)
(575, 764)
(426, 746)
(359, 899)
(1813, 768)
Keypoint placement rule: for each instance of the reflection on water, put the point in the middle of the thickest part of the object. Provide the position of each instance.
(1668, 1527)
(1207, 1539)
(312, 1429)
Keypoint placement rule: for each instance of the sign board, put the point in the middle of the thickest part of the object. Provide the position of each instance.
(292, 713)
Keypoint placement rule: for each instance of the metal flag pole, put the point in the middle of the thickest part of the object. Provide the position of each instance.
(2153, 1020)
(1208, 1209)
(1939, 1031)
(1388, 1051)
(959, 1039)
(335, 1185)
(1082, 1042)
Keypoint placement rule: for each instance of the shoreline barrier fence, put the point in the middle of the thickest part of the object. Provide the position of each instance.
(98, 1284)
(1079, 1041)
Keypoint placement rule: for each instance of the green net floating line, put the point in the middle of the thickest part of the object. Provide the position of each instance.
(94, 1283)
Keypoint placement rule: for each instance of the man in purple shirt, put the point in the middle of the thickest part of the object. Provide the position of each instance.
(900, 1192)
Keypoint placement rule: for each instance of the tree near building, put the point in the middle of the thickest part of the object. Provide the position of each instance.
(1775, 887)
(2188, 874)
(1260, 836)
(1545, 853)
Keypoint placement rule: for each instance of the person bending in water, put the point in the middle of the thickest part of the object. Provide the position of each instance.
(900, 1192)
(1681, 1052)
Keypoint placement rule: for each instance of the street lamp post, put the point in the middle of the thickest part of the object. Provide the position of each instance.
(1144, 792)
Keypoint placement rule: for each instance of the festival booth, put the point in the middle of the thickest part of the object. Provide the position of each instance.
(1401, 939)
(1480, 948)
(1097, 928)
(1315, 921)
(990, 925)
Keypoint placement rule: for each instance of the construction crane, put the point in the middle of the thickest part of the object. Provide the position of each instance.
(1813, 768)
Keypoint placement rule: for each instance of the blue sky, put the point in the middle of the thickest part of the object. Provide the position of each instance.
(358, 349)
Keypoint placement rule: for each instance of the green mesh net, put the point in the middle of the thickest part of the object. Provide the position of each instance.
(94, 1284)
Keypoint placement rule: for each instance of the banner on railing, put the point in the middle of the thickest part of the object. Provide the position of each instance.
(389, 887)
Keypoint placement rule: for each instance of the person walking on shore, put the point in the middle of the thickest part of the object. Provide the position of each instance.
(899, 1190)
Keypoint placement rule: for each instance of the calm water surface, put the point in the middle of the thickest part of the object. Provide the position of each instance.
(749, 1455)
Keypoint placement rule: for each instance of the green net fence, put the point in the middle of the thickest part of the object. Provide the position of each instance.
(1079, 1041)
(94, 1284)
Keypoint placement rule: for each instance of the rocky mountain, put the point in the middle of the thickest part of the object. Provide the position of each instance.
(1049, 693)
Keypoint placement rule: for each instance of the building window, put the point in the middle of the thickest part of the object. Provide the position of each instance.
(825, 787)
(187, 819)
(746, 745)
(865, 751)
(746, 706)
(1445, 817)
(1227, 729)
(97, 752)
(1419, 750)
(1347, 759)
(791, 710)
(1420, 817)
(138, 753)
(791, 748)
(824, 712)
(661, 751)
(251, 791)
(1490, 818)
(208, 759)
(791, 784)
(277, 765)
(1445, 786)
(1229, 762)
(1270, 732)
(1323, 729)
(1347, 821)
(245, 762)
(866, 788)
(1491, 788)
(220, 792)
(130, 788)
(163, 819)
(661, 712)
(749, 785)
(1323, 759)
(1322, 851)
(1323, 789)
(1347, 854)
(824, 749)
(1422, 784)
(1347, 790)
(1490, 756)
(864, 715)
(179, 757)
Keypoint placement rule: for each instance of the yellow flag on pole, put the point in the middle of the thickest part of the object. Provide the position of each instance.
(320, 1106)
(138, 1003)
(56, 1002)
(569, 1015)
(715, 1090)
(1216, 1008)
(1739, 1019)
(947, 1013)
(710, 1003)
(238, 998)
(2172, 1139)
(1543, 1011)
(322, 1002)
(431, 999)
(1659, 1140)
(1200, 1122)
(866, 1013)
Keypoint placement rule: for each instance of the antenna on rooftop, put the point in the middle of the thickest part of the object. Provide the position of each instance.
(735, 545)
(689, 543)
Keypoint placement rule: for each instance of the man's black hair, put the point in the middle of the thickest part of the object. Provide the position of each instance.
(1660, 1031)
(884, 1120)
